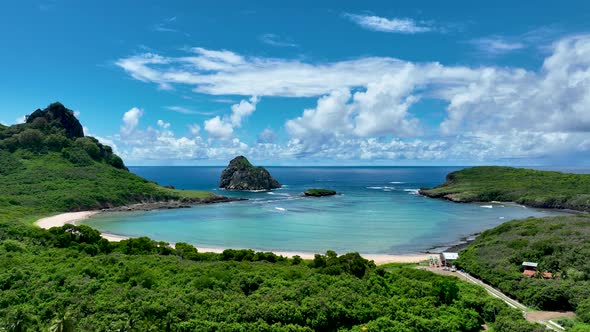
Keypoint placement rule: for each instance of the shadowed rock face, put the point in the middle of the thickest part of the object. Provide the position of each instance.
(241, 175)
(58, 115)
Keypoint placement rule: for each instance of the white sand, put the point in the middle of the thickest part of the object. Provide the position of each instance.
(73, 217)
(64, 218)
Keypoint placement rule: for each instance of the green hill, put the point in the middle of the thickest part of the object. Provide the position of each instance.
(559, 245)
(70, 279)
(543, 189)
(48, 165)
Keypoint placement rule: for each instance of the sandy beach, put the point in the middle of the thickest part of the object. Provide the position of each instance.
(74, 217)
(64, 218)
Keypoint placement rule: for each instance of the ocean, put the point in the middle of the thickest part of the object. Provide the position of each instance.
(377, 211)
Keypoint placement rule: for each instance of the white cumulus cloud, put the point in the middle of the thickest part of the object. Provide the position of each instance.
(218, 128)
(195, 129)
(365, 107)
(131, 120)
(242, 110)
(223, 128)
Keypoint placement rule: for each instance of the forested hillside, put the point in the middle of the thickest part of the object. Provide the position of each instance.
(543, 189)
(48, 165)
(559, 245)
(70, 278)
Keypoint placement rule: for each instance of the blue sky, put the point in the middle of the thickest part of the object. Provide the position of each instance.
(309, 83)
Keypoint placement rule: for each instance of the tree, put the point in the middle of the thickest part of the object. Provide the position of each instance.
(77, 156)
(116, 161)
(88, 145)
(56, 142)
(583, 311)
(447, 291)
(62, 323)
(19, 319)
(30, 139)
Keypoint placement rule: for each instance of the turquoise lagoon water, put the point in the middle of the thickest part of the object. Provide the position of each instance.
(377, 211)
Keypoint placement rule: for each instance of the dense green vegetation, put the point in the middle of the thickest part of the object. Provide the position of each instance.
(45, 168)
(319, 192)
(524, 186)
(71, 278)
(559, 245)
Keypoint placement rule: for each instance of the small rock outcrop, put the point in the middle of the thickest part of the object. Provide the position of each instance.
(241, 175)
(319, 192)
(58, 115)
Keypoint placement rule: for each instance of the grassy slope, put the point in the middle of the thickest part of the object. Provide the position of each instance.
(48, 183)
(559, 244)
(524, 186)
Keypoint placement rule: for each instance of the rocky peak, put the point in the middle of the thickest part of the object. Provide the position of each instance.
(241, 175)
(58, 115)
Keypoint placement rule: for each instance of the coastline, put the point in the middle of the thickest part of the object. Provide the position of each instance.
(74, 217)
(448, 198)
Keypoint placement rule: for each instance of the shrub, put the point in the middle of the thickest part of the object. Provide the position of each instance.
(31, 139)
(87, 144)
(56, 142)
(77, 156)
(583, 311)
(115, 161)
(13, 246)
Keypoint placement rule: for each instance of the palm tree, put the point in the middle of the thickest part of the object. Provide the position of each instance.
(62, 323)
(19, 319)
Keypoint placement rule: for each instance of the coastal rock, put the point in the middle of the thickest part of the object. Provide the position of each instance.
(172, 204)
(241, 175)
(58, 115)
(319, 192)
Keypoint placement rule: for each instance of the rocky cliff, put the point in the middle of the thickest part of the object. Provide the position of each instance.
(241, 175)
(57, 115)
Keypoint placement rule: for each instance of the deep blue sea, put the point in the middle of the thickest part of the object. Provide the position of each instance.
(377, 211)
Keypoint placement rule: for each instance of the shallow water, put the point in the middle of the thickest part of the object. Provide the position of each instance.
(377, 211)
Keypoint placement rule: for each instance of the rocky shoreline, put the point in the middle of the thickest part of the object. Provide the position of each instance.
(172, 204)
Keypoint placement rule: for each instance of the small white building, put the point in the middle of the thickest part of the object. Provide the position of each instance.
(449, 258)
(530, 265)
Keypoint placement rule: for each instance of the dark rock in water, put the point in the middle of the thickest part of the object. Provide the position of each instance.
(319, 192)
(241, 175)
(173, 204)
(58, 115)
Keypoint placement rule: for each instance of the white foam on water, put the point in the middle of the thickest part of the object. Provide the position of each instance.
(501, 218)
(412, 191)
(271, 193)
(375, 188)
(487, 206)
(396, 182)
(280, 208)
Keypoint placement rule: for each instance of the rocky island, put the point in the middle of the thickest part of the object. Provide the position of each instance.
(240, 174)
(319, 192)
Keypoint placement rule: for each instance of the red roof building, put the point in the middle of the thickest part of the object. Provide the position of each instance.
(529, 273)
